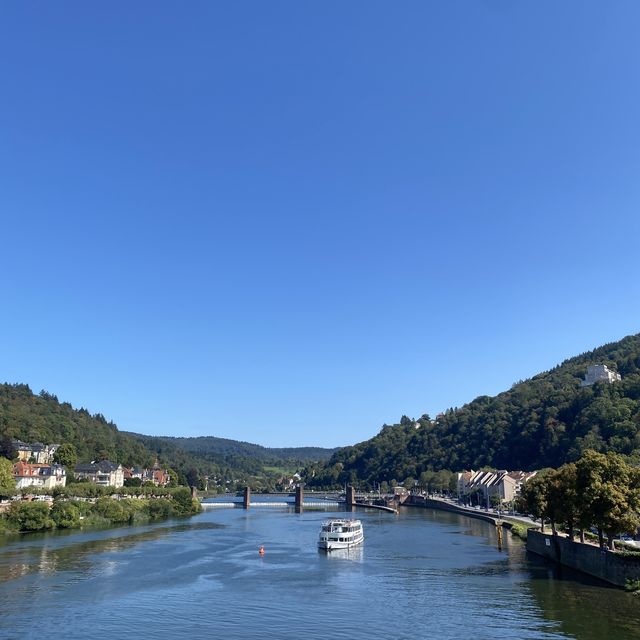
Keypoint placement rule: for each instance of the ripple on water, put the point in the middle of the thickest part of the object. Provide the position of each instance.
(416, 576)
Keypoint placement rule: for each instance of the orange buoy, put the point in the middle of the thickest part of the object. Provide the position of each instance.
(261, 552)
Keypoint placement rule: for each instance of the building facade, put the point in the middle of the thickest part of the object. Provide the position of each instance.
(39, 476)
(599, 373)
(103, 473)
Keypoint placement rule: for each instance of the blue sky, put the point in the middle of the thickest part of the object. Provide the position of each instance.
(289, 223)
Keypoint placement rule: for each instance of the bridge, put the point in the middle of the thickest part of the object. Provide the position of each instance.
(239, 502)
(349, 500)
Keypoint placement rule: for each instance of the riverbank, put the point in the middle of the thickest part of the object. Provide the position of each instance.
(66, 512)
(616, 567)
(619, 568)
(507, 521)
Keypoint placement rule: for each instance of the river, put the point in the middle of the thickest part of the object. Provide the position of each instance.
(421, 574)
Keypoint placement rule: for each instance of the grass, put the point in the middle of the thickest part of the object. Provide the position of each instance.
(519, 530)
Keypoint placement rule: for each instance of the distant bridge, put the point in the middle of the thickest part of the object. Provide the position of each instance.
(257, 502)
(349, 500)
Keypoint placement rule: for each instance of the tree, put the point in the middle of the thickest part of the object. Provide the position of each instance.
(193, 477)
(183, 502)
(66, 455)
(7, 448)
(7, 480)
(30, 516)
(65, 514)
(425, 480)
(409, 483)
(609, 491)
(534, 495)
(562, 497)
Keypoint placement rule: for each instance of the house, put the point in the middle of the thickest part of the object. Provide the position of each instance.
(35, 452)
(158, 476)
(505, 485)
(464, 478)
(599, 373)
(103, 473)
(42, 476)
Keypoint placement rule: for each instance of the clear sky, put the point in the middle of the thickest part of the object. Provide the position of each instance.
(291, 222)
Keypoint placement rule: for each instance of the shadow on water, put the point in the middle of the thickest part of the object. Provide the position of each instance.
(48, 553)
(582, 606)
(575, 604)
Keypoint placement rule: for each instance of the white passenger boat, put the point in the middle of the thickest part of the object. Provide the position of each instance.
(340, 534)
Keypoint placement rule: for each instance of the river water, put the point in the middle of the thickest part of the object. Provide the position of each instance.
(421, 574)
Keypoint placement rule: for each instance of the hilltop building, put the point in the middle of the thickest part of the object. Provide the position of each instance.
(599, 373)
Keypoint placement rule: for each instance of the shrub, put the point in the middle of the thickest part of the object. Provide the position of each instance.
(30, 516)
(519, 530)
(66, 515)
(159, 508)
(111, 510)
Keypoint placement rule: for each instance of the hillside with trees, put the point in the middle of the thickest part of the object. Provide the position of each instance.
(41, 417)
(222, 450)
(545, 421)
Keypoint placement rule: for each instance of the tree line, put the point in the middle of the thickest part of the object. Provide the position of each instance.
(599, 491)
(96, 507)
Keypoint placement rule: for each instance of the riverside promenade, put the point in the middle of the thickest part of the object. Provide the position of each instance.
(495, 517)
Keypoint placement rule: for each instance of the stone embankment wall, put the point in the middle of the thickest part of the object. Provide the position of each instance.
(606, 565)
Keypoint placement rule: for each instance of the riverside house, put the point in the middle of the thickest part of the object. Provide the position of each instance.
(42, 476)
(103, 473)
(158, 476)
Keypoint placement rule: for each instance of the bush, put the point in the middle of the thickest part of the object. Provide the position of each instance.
(519, 530)
(632, 585)
(66, 515)
(112, 510)
(184, 504)
(30, 516)
(159, 508)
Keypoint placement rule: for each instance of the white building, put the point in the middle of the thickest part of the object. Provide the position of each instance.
(599, 373)
(42, 476)
(103, 473)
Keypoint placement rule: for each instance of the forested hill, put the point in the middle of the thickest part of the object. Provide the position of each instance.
(541, 422)
(43, 418)
(221, 450)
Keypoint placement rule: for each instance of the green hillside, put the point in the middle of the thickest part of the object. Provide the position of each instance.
(42, 418)
(222, 450)
(542, 422)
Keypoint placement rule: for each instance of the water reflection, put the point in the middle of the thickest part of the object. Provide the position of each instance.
(48, 558)
(584, 607)
(354, 554)
(421, 574)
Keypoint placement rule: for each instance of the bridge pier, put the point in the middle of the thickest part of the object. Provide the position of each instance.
(350, 498)
(299, 497)
(246, 502)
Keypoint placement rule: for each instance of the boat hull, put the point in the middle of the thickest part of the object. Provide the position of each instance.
(330, 545)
